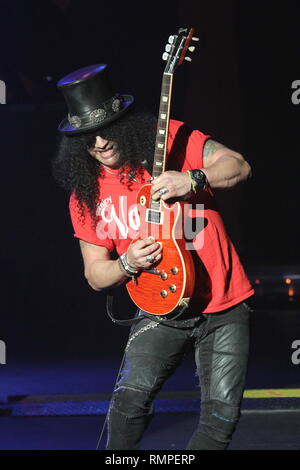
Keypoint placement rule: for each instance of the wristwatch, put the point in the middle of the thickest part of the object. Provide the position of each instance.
(199, 179)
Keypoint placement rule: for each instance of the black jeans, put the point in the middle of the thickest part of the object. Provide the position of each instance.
(153, 352)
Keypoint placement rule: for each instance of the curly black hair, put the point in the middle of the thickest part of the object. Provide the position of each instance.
(76, 171)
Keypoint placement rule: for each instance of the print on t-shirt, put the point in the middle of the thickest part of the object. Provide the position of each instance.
(122, 222)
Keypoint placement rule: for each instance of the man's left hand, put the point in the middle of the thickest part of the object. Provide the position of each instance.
(170, 184)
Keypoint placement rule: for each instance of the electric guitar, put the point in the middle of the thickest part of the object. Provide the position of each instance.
(169, 283)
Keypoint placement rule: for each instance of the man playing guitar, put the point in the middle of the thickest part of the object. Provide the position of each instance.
(105, 140)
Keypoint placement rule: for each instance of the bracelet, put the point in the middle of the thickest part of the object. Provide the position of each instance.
(192, 181)
(122, 268)
(128, 266)
(125, 266)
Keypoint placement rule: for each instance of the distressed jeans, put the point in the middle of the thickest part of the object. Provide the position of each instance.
(152, 354)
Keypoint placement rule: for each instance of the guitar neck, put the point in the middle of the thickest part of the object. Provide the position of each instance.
(161, 142)
(175, 54)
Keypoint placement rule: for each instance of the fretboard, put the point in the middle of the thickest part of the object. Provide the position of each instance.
(159, 162)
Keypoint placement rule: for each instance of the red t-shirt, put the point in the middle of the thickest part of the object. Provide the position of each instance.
(220, 281)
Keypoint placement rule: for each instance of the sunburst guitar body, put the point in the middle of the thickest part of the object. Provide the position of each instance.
(170, 282)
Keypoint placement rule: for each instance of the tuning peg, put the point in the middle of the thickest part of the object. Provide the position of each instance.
(165, 56)
(171, 39)
(188, 59)
(168, 47)
(192, 48)
(195, 39)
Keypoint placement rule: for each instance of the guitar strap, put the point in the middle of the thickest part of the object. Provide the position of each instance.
(138, 316)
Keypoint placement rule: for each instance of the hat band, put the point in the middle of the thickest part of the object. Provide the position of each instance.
(108, 109)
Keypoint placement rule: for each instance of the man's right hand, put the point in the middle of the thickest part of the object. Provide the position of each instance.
(139, 250)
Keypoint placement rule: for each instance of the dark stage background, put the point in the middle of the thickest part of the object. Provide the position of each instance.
(238, 89)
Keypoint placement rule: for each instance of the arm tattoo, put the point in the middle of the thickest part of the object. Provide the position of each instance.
(211, 146)
(83, 244)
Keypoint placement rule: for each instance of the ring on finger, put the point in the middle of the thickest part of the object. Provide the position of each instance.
(150, 258)
(163, 191)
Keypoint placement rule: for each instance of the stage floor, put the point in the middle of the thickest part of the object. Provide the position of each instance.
(35, 395)
(277, 430)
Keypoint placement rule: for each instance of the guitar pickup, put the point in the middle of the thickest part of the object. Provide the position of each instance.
(154, 216)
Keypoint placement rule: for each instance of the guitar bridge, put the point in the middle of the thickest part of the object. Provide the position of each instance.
(152, 271)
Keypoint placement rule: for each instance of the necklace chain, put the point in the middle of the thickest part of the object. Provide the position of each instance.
(119, 174)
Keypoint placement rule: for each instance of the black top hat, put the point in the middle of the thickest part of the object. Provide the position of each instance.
(91, 102)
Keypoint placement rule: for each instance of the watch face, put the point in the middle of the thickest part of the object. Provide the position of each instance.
(200, 178)
(198, 174)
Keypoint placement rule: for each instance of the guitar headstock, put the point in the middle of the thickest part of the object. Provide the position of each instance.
(177, 48)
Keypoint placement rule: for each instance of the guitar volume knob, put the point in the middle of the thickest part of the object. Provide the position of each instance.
(164, 276)
(163, 294)
(174, 270)
(172, 288)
